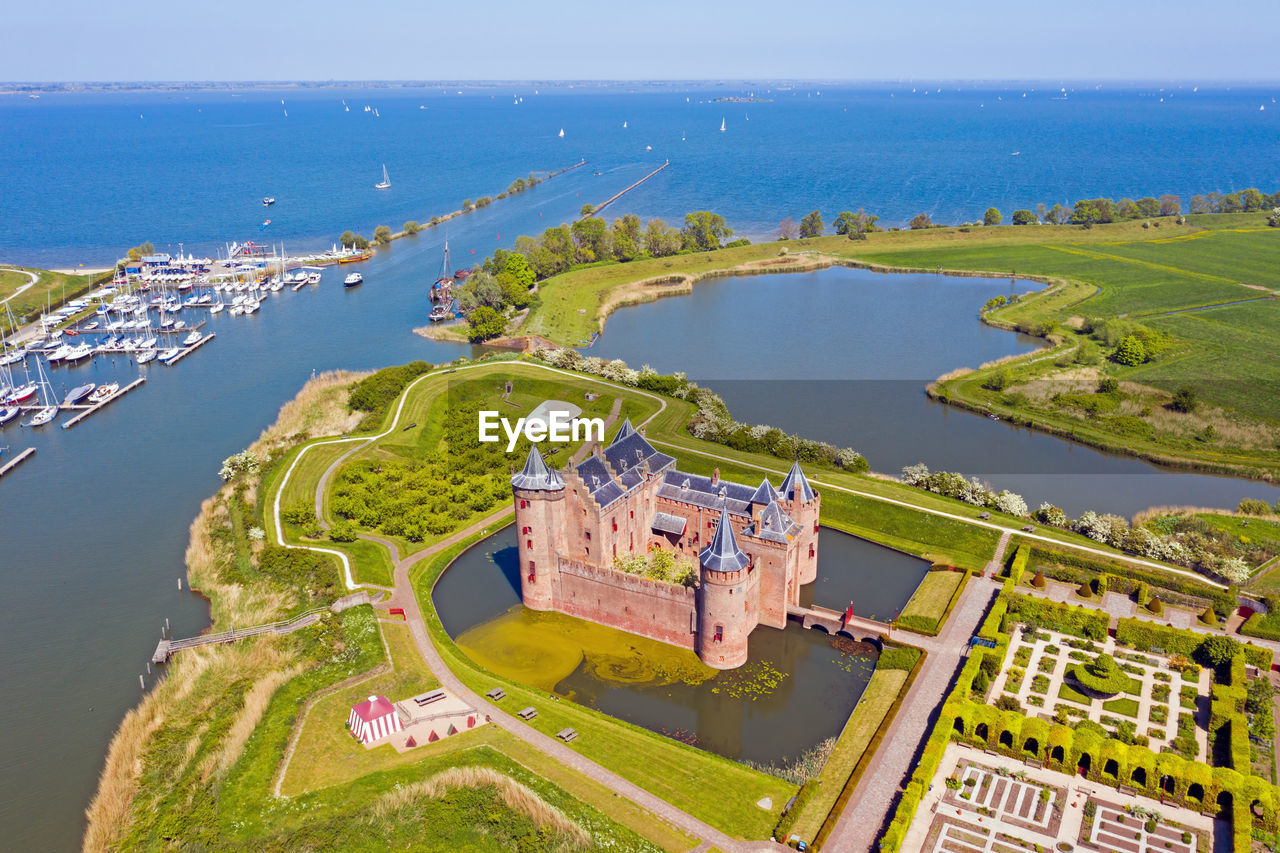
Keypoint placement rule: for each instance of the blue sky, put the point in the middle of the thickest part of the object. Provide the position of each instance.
(1189, 40)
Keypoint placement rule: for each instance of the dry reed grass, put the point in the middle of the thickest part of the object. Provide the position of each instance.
(255, 705)
(515, 795)
(319, 409)
(1155, 512)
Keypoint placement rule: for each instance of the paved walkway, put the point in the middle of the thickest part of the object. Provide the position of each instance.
(997, 559)
(868, 809)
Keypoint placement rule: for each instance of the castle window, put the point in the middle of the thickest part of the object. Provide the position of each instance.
(719, 635)
(633, 513)
(587, 534)
(533, 572)
(524, 504)
(615, 549)
(815, 526)
(588, 550)
(811, 551)
(615, 525)
(528, 543)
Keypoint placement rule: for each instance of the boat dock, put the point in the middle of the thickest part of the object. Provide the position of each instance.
(17, 460)
(184, 330)
(611, 199)
(186, 352)
(86, 412)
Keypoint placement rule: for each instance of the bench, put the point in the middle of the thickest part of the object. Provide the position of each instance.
(566, 735)
(527, 714)
(496, 693)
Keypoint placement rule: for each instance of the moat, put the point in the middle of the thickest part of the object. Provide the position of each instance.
(796, 690)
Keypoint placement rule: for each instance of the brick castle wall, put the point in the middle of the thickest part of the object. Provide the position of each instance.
(659, 611)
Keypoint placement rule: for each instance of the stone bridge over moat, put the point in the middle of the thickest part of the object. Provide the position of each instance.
(835, 623)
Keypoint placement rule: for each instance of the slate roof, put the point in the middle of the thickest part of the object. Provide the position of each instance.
(622, 466)
(775, 524)
(796, 479)
(536, 475)
(765, 493)
(623, 431)
(723, 554)
(697, 490)
(665, 522)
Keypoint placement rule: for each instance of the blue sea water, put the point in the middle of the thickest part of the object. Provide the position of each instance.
(87, 175)
(93, 529)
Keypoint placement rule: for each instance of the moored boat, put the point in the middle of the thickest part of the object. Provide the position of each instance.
(193, 338)
(146, 356)
(43, 416)
(21, 393)
(102, 392)
(353, 280)
(9, 413)
(78, 394)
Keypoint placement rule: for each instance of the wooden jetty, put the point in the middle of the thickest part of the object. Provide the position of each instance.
(89, 410)
(184, 330)
(17, 460)
(168, 647)
(611, 199)
(186, 352)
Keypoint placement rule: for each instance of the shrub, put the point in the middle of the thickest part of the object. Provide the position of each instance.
(382, 234)
(413, 226)
(1251, 506)
(1184, 400)
(1102, 675)
(373, 394)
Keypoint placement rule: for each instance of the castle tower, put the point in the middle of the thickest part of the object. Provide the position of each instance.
(802, 504)
(727, 605)
(539, 497)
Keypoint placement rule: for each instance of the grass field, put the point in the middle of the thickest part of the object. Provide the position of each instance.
(1121, 270)
(932, 596)
(50, 288)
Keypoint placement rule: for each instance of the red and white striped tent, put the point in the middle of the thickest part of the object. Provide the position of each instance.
(374, 719)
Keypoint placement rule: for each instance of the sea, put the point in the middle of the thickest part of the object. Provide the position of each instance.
(93, 528)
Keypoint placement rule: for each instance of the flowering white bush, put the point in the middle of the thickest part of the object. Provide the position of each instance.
(243, 462)
(257, 534)
(914, 475)
(1008, 502)
(1052, 515)
(1233, 569)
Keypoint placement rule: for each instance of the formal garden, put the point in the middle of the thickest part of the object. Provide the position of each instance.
(1099, 709)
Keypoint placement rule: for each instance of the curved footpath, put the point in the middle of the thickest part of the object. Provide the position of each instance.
(867, 811)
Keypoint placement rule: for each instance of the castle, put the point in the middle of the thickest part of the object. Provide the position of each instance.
(755, 548)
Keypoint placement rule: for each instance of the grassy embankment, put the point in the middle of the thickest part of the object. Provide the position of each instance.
(50, 289)
(1112, 272)
(196, 759)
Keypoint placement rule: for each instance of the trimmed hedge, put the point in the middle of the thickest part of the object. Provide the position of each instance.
(1072, 568)
(931, 626)
(788, 820)
(1074, 620)
(1264, 626)
(1149, 636)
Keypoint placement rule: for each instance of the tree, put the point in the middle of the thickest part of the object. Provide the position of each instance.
(1058, 215)
(920, 221)
(626, 241)
(347, 239)
(467, 204)
(1184, 400)
(1127, 209)
(1084, 213)
(704, 230)
(1042, 212)
(660, 239)
(591, 240)
(1102, 675)
(1274, 219)
(787, 229)
(587, 209)
(413, 226)
(485, 323)
(382, 234)
(845, 222)
(1170, 205)
(1217, 650)
(1024, 217)
(992, 217)
(1252, 200)
(1148, 207)
(812, 225)
(1130, 351)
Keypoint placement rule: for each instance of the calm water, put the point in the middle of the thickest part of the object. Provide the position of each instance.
(729, 714)
(86, 175)
(868, 345)
(93, 530)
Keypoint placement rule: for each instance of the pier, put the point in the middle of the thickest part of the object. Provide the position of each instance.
(186, 352)
(611, 199)
(17, 460)
(167, 648)
(90, 410)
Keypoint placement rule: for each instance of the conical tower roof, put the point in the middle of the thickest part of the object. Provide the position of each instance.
(536, 475)
(625, 430)
(765, 494)
(723, 554)
(796, 480)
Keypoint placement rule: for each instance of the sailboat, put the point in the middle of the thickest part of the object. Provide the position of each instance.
(562, 133)
(722, 125)
(442, 286)
(386, 180)
(624, 125)
(49, 411)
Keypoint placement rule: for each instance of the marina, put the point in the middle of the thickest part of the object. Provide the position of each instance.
(22, 456)
(86, 411)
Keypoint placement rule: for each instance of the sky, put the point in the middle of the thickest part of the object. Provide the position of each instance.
(146, 40)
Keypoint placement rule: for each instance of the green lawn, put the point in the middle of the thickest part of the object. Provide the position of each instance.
(50, 289)
(931, 598)
(1124, 706)
(1066, 691)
